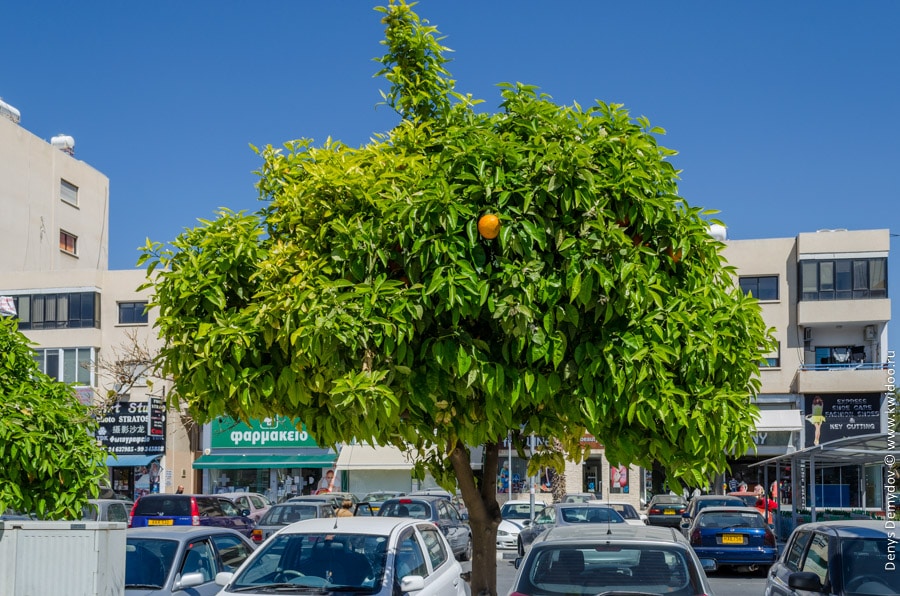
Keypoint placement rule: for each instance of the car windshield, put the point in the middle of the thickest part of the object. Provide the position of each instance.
(283, 515)
(626, 511)
(667, 500)
(593, 569)
(518, 510)
(730, 519)
(864, 566)
(589, 515)
(329, 560)
(720, 503)
(148, 561)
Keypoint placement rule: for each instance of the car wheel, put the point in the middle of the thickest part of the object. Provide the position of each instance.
(466, 555)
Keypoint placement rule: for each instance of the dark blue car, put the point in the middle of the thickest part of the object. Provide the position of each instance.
(164, 510)
(734, 536)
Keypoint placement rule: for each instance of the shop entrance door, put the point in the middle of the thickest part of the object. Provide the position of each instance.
(592, 475)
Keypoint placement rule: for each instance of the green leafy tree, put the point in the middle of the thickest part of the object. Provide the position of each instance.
(50, 463)
(363, 299)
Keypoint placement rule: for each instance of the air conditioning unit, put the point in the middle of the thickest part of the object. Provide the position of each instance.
(869, 332)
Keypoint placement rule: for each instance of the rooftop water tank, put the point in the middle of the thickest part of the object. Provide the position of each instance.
(7, 111)
(719, 232)
(64, 143)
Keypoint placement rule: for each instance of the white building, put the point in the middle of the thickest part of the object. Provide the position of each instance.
(88, 323)
(826, 296)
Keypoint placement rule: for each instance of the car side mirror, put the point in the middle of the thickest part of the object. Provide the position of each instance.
(189, 580)
(464, 516)
(245, 512)
(518, 562)
(685, 525)
(223, 577)
(805, 580)
(709, 565)
(412, 583)
(526, 523)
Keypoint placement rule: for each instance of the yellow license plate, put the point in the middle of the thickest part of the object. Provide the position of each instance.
(159, 522)
(732, 539)
(669, 512)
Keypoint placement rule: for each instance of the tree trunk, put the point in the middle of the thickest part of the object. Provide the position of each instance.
(484, 515)
(659, 477)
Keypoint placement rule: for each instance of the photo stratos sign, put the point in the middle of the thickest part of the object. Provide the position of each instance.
(123, 430)
(278, 431)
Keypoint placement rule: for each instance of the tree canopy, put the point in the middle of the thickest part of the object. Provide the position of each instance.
(50, 462)
(362, 299)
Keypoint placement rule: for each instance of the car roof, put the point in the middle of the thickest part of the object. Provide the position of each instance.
(729, 508)
(383, 526)
(412, 497)
(610, 503)
(714, 497)
(600, 532)
(667, 498)
(179, 532)
(856, 528)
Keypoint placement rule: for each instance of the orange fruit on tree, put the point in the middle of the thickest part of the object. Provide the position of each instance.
(489, 226)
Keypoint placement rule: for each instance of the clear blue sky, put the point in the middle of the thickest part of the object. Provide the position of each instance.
(785, 114)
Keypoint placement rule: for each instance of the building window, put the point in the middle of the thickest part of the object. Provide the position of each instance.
(132, 313)
(760, 287)
(772, 359)
(68, 192)
(58, 311)
(843, 279)
(68, 242)
(74, 366)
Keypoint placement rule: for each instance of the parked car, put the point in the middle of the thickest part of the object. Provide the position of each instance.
(515, 516)
(284, 514)
(441, 513)
(734, 536)
(666, 510)
(748, 498)
(335, 499)
(159, 509)
(587, 560)
(181, 559)
(564, 514)
(626, 510)
(375, 499)
(114, 510)
(581, 497)
(376, 556)
(699, 503)
(837, 558)
(255, 503)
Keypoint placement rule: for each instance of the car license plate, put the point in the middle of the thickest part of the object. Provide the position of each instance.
(159, 522)
(669, 512)
(732, 539)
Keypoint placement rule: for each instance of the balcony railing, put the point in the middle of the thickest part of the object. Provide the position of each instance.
(846, 366)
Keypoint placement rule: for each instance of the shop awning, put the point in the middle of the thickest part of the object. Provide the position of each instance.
(366, 457)
(252, 460)
(779, 420)
(125, 461)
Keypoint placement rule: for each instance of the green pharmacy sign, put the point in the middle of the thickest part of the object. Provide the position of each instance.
(277, 431)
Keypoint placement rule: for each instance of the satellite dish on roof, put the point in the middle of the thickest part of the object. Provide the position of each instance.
(719, 232)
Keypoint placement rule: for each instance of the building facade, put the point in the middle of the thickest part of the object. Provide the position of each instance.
(89, 324)
(826, 296)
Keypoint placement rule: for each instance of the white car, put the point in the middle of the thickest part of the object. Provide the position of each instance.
(627, 510)
(378, 556)
(515, 516)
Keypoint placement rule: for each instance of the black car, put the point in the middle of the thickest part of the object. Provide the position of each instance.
(837, 558)
(164, 510)
(666, 510)
(438, 510)
(700, 502)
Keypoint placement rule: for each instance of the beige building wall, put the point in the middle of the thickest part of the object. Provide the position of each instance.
(31, 175)
(33, 210)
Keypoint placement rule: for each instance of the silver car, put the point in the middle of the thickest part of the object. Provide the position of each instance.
(181, 559)
(376, 556)
(592, 559)
(284, 514)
